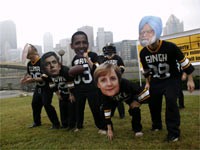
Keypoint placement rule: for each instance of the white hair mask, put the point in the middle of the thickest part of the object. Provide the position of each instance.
(147, 41)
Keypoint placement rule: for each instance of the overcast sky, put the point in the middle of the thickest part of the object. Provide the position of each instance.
(62, 17)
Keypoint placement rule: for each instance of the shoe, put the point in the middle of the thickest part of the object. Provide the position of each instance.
(139, 134)
(54, 127)
(34, 125)
(155, 129)
(76, 130)
(172, 139)
(102, 132)
(70, 129)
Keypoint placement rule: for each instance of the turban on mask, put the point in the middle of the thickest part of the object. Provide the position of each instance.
(154, 22)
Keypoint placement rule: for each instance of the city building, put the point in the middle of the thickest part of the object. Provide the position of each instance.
(8, 38)
(14, 55)
(89, 31)
(173, 25)
(103, 37)
(48, 42)
(64, 44)
(128, 49)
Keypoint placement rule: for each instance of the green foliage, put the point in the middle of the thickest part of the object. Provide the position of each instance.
(16, 116)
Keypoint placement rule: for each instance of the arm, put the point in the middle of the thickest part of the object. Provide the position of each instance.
(58, 95)
(88, 59)
(184, 76)
(147, 85)
(110, 132)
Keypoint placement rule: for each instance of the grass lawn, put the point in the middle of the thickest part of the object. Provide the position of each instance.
(16, 117)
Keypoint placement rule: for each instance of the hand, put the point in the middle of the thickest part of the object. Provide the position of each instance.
(71, 98)
(135, 104)
(29, 80)
(85, 55)
(110, 135)
(23, 80)
(59, 97)
(190, 83)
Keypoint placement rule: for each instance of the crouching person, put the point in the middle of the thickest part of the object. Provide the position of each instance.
(115, 89)
(58, 77)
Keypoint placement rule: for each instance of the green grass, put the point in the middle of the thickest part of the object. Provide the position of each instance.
(16, 116)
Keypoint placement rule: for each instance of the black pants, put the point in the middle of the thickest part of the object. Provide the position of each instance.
(181, 95)
(136, 119)
(170, 89)
(94, 104)
(67, 112)
(43, 97)
(120, 108)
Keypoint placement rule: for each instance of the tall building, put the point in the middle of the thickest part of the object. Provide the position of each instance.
(39, 49)
(103, 37)
(128, 50)
(8, 39)
(48, 42)
(173, 25)
(64, 44)
(89, 31)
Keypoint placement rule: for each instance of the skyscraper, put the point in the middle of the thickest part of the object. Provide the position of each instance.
(89, 31)
(173, 25)
(48, 42)
(103, 37)
(8, 38)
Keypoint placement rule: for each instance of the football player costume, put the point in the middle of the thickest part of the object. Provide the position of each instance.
(110, 56)
(42, 95)
(159, 60)
(59, 80)
(84, 84)
(115, 90)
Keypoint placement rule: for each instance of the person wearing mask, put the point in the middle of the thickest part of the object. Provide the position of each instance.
(110, 56)
(42, 95)
(159, 58)
(84, 83)
(58, 77)
(115, 89)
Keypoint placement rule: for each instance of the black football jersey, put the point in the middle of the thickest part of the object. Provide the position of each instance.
(128, 93)
(116, 60)
(85, 81)
(63, 82)
(162, 63)
(34, 70)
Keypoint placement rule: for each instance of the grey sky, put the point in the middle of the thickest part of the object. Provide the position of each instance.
(62, 17)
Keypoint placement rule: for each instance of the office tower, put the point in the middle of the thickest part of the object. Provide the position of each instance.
(103, 37)
(64, 44)
(48, 42)
(128, 50)
(89, 31)
(173, 25)
(8, 38)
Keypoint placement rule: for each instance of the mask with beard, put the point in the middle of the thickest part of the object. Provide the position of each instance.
(147, 41)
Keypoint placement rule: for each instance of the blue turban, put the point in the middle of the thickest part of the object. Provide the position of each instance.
(154, 22)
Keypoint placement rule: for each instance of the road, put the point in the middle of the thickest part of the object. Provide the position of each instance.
(13, 93)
